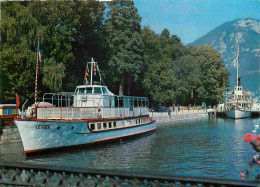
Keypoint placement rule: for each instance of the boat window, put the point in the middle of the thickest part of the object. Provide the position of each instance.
(109, 124)
(104, 125)
(81, 90)
(132, 102)
(92, 126)
(136, 102)
(114, 124)
(99, 125)
(121, 103)
(97, 90)
(11, 111)
(136, 121)
(127, 102)
(5, 111)
(89, 90)
(104, 90)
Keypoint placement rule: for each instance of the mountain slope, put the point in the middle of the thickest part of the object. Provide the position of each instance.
(225, 39)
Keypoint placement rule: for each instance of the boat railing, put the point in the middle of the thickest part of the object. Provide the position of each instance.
(70, 113)
(66, 106)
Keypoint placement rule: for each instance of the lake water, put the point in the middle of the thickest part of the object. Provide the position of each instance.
(202, 147)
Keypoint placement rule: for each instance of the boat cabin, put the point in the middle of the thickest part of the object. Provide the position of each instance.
(7, 113)
(238, 93)
(92, 100)
(93, 96)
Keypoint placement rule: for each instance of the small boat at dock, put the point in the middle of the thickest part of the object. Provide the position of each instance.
(88, 115)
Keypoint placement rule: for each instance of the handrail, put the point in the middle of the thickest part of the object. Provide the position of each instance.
(23, 174)
(23, 108)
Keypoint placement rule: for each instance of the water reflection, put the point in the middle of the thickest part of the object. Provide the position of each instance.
(207, 147)
(116, 155)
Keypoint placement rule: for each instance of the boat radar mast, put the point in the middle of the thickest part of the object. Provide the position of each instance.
(237, 64)
(94, 70)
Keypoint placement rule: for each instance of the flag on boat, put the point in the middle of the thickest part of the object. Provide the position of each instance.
(87, 72)
(17, 101)
(95, 69)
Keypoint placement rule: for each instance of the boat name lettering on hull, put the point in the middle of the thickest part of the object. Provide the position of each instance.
(42, 127)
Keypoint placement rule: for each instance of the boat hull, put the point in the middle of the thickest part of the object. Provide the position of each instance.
(238, 114)
(43, 135)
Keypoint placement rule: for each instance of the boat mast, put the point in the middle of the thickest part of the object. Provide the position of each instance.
(91, 77)
(36, 78)
(237, 62)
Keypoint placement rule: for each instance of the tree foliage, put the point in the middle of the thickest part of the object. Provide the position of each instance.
(133, 60)
(125, 44)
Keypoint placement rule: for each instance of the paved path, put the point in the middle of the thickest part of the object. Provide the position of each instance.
(163, 117)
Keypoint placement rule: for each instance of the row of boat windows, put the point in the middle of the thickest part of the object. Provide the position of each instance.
(8, 111)
(141, 120)
(113, 124)
(240, 96)
(92, 90)
(238, 88)
(105, 125)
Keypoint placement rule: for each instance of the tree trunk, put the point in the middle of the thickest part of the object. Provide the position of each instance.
(121, 86)
(129, 79)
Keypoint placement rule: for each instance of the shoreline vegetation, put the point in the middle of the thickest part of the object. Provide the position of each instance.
(134, 60)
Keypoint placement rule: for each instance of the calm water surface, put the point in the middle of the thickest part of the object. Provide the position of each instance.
(205, 147)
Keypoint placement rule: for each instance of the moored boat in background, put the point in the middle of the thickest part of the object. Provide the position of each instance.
(238, 104)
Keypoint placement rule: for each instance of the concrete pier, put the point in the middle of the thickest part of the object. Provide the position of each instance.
(164, 117)
(10, 134)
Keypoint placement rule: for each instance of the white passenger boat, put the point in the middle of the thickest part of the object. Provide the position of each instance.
(238, 104)
(90, 114)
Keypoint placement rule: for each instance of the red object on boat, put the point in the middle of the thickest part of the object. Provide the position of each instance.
(17, 101)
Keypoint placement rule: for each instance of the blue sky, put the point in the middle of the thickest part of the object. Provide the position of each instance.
(191, 19)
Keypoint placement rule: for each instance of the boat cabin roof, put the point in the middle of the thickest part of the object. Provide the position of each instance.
(7, 105)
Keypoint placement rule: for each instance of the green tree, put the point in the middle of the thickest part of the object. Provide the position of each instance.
(53, 74)
(187, 72)
(213, 75)
(64, 29)
(89, 41)
(18, 52)
(160, 82)
(159, 79)
(125, 45)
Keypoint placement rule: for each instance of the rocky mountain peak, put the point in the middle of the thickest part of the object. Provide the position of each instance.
(248, 23)
(226, 38)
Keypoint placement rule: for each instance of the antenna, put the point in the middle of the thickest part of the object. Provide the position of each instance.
(237, 63)
(91, 69)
